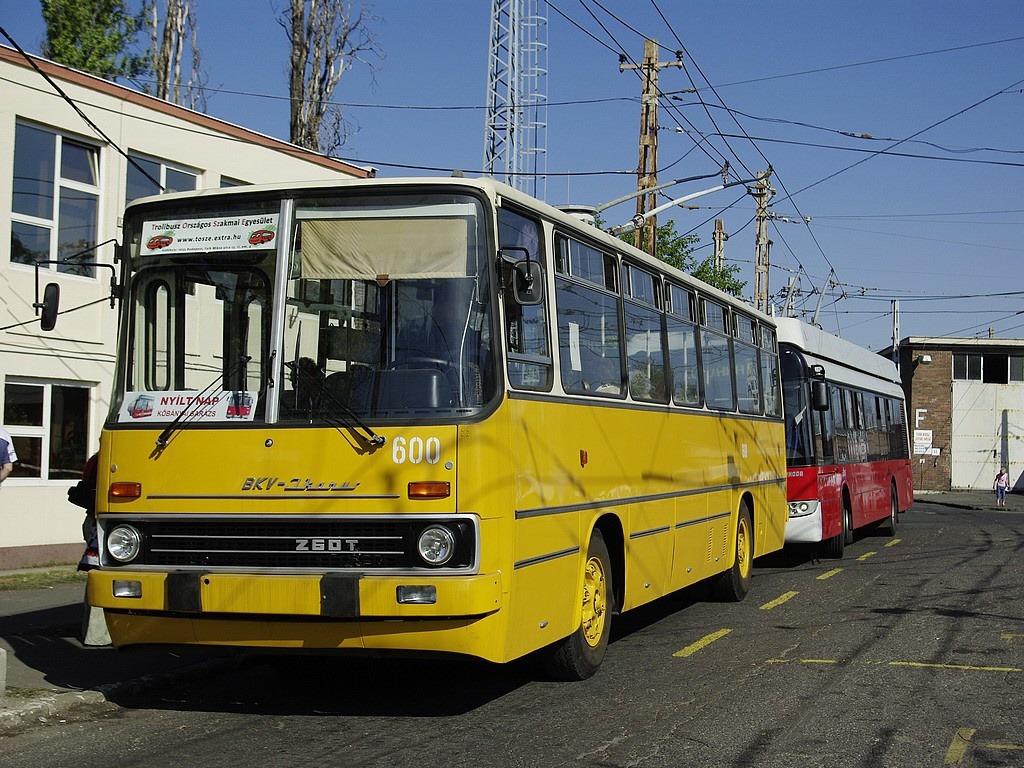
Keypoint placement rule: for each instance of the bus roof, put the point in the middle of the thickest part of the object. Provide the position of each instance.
(493, 189)
(843, 360)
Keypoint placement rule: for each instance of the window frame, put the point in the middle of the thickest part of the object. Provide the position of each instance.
(135, 156)
(44, 432)
(62, 187)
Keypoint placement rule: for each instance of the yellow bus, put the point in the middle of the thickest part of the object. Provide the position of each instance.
(422, 415)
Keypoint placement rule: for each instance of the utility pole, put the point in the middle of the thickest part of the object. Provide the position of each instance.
(719, 238)
(647, 167)
(761, 192)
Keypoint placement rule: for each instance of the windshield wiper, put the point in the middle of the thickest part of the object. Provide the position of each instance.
(170, 429)
(348, 418)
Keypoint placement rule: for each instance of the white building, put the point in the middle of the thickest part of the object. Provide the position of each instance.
(63, 185)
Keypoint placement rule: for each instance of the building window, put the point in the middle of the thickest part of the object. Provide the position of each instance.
(966, 367)
(147, 176)
(55, 201)
(49, 424)
(1016, 368)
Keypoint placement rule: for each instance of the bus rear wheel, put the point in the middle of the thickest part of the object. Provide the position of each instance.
(847, 522)
(888, 527)
(732, 585)
(578, 656)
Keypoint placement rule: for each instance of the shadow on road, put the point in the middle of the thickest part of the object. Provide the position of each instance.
(318, 685)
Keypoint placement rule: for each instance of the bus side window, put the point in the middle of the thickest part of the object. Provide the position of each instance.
(745, 370)
(589, 321)
(841, 440)
(645, 343)
(526, 326)
(824, 434)
(716, 357)
(682, 347)
(770, 373)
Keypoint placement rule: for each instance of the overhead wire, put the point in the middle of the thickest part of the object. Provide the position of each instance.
(625, 56)
(745, 135)
(937, 123)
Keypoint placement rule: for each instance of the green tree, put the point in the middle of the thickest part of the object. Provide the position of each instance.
(677, 250)
(95, 36)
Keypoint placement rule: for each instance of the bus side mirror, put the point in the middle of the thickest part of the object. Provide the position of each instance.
(49, 306)
(528, 282)
(819, 395)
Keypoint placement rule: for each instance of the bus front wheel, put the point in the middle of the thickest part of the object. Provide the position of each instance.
(578, 656)
(732, 585)
(833, 547)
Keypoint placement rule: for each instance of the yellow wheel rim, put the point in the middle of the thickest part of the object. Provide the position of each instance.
(594, 601)
(743, 547)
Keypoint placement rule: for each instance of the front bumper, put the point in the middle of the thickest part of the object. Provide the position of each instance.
(330, 595)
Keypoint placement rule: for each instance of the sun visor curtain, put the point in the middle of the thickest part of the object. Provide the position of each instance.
(352, 248)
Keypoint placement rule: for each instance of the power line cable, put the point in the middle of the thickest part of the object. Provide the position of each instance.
(871, 61)
(958, 113)
(99, 131)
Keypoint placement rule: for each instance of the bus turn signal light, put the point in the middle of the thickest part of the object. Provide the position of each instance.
(126, 490)
(430, 489)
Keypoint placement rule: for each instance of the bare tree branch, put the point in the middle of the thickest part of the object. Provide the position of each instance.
(179, 31)
(328, 37)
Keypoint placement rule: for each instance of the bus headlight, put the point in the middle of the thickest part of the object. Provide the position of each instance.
(803, 508)
(436, 545)
(124, 543)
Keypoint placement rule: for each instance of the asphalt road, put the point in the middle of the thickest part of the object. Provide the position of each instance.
(908, 653)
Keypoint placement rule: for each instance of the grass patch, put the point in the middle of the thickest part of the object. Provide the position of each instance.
(41, 579)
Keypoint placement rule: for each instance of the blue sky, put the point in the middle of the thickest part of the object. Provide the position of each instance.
(938, 226)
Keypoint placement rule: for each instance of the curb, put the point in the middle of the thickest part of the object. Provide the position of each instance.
(39, 711)
(55, 706)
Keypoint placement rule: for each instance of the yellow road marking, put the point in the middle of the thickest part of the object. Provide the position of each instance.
(866, 555)
(953, 666)
(829, 574)
(779, 601)
(704, 641)
(920, 664)
(990, 745)
(894, 542)
(1009, 637)
(958, 746)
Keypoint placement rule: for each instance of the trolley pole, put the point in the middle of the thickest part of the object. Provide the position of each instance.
(647, 167)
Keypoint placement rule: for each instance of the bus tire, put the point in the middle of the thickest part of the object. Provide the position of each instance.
(888, 527)
(578, 656)
(833, 548)
(847, 521)
(731, 586)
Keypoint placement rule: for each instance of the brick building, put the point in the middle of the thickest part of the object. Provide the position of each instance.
(965, 408)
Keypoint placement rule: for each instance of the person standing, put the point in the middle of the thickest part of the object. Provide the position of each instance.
(6, 464)
(1001, 484)
(5, 435)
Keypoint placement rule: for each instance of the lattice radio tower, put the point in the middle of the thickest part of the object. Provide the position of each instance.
(515, 143)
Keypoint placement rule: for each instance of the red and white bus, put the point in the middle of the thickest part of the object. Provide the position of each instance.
(847, 450)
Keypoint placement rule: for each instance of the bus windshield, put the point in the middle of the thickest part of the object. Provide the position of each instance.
(795, 397)
(380, 310)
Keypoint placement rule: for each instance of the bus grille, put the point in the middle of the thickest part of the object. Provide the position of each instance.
(307, 544)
